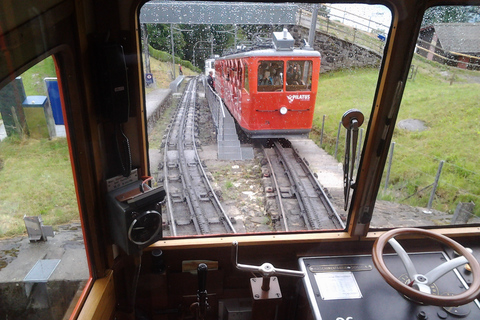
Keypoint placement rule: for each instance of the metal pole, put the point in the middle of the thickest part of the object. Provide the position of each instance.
(321, 134)
(173, 51)
(211, 50)
(313, 25)
(338, 137)
(235, 37)
(357, 161)
(435, 185)
(145, 49)
(392, 147)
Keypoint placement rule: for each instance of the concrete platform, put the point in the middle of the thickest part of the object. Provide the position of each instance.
(328, 170)
(22, 298)
(154, 102)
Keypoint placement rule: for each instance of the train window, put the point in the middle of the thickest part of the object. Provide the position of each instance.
(270, 76)
(42, 252)
(432, 176)
(299, 75)
(279, 186)
(246, 84)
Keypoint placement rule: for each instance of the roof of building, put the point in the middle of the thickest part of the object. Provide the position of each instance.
(459, 37)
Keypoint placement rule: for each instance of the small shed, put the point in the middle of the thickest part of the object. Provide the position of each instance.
(455, 44)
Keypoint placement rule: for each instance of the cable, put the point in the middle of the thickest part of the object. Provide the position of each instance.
(125, 158)
(138, 265)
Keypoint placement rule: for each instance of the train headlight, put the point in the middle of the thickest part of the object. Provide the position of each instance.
(283, 110)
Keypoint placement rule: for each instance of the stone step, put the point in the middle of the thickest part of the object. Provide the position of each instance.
(229, 143)
(247, 153)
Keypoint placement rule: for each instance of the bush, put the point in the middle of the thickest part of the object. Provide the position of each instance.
(167, 57)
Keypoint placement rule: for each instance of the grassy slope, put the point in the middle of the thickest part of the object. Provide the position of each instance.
(449, 110)
(162, 73)
(36, 179)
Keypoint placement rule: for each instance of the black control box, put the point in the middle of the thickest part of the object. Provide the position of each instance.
(135, 216)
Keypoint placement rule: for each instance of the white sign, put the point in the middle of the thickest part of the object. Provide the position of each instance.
(301, 97)
(337, 285)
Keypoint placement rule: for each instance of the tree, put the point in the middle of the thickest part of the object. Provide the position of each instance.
(450, 14)
(159, 36)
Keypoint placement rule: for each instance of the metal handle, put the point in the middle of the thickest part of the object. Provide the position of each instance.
(202, 277)
(351, 120)
(266, 269)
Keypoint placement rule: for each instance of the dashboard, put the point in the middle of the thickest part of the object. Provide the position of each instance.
(351, 288)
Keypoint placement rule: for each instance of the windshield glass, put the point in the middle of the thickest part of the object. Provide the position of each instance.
(42, 252)
(270, 76)
(432, 175)
(265, 121)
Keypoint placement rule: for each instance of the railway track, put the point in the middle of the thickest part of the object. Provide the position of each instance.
(192, 206)
(301, 201)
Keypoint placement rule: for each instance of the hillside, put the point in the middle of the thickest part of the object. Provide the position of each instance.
(445, 100)
(163, 75)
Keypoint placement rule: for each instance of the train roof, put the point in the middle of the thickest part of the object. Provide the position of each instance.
(273, 53)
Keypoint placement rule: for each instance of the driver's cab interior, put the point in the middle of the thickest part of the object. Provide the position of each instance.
(404, 251)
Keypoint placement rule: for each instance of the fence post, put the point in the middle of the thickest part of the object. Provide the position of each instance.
(435, 184)
(392, 147)
(338, 137)
(321, 133)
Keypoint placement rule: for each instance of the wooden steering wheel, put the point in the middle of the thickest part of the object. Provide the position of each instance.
(418, 289)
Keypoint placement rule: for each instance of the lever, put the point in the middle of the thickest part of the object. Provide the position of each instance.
(200, 308)
(351, 120)
(202, 277)
(267, 270)
(267, 296)
(202, 284)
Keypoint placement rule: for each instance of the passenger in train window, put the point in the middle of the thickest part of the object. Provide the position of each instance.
(267, 79)
(293, 74)
(277, 78)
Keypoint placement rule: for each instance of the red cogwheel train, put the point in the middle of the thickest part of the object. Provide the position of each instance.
(270, 92)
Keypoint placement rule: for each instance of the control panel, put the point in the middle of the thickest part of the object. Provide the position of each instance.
(350, 287)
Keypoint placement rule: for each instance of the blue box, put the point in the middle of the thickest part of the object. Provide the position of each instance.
(39, 117)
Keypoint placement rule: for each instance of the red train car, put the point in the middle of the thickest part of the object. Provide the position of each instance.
(270, 92)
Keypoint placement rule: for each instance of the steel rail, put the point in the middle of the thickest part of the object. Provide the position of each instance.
(277, 190)
(216, 202)
(166, 185)
(196, 212)
(310, 217)
(200, 205)
(332, 213)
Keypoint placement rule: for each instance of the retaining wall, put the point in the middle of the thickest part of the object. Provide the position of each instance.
(336, 53)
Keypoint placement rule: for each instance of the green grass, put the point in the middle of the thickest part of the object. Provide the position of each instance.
(33, 78)
(449, 110)
(35, 175)
(35, 179)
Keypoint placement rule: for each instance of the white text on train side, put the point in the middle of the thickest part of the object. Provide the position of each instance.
(301, 97)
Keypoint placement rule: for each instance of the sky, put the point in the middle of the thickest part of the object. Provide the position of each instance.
(375, 16)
